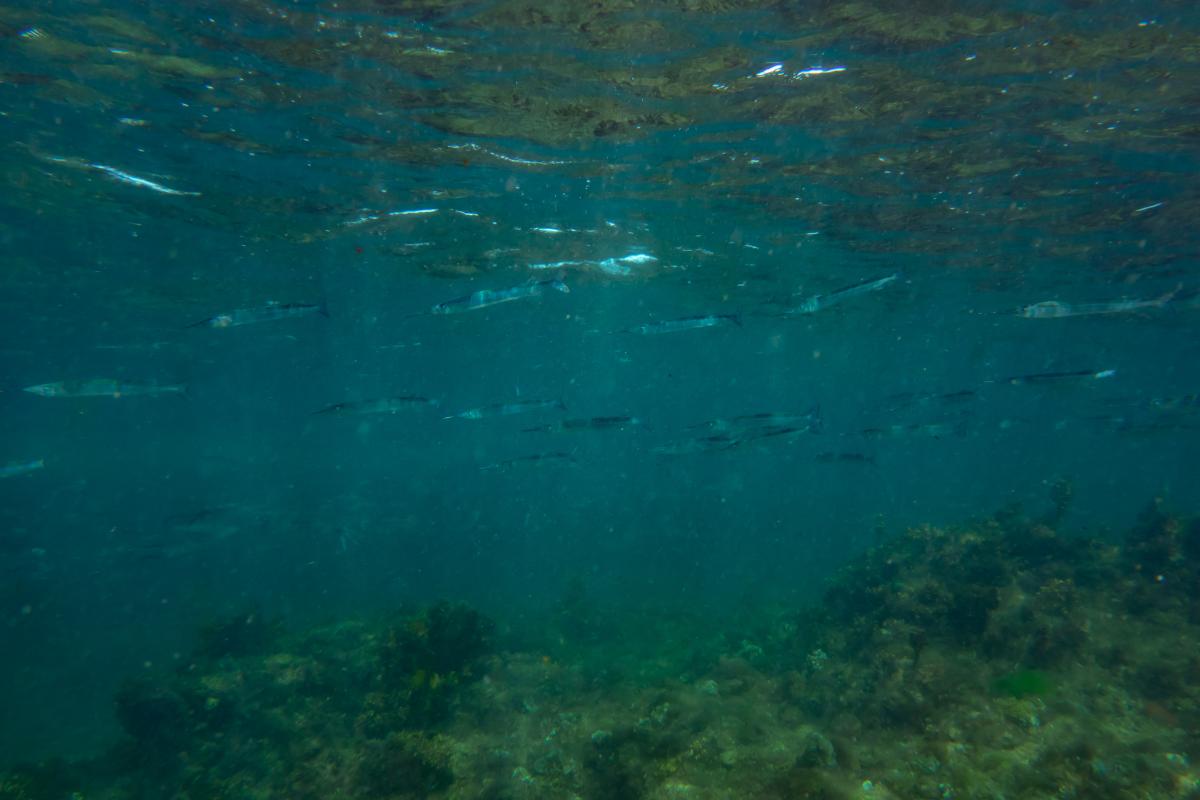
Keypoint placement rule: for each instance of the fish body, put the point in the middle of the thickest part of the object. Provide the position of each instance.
(535, 458)
(820, 302)
(586, 424)
(932, 430)
(1055, 309)
(1060, 377)
(491, 297)
(383, 405)
(746, 423)
(1184, 402)
(267, 313)
(831, 457)
(103, 387)
(687, 324)
(508, 409)
(907, 399)
(12, 470)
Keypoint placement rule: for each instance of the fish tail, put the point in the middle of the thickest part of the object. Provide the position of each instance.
(323, 308)
(179, 389)
(1162, 300)
(198, 324)
(736, 319)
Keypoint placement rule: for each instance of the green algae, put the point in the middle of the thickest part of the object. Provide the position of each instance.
(1023, 683)
(881, 690)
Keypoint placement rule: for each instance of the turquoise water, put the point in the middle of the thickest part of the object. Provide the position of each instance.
(665, 161)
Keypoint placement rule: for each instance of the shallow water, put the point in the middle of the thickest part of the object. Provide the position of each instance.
(664, 161)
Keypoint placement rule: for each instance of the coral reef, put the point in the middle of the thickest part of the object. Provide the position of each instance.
(996, 659)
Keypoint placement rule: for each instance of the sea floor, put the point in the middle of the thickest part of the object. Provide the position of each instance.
(996, 659)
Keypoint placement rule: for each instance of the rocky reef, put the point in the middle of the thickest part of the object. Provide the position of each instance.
(996, 659)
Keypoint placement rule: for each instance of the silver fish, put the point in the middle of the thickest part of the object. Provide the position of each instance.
(687, 324)
(508, 409)
(586, 424)
(12, 470)
(491, 297)
(763, 419)
(383, 405)
(1054, 309)
(535, 458)
(268, 313)
(103, 387)
(1074, 376)
(820, 302)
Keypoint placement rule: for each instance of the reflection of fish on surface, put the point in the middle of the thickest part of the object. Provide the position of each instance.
(685, 324)
(508, 409)
(485, 298)
(556, 456)
(22, 468)
(383, 405)
(104, 387)
(269, 313)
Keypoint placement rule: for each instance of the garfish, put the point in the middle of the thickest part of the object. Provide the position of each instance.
(508, 409)
(491, 297)
(768, 419)
(269, 313)
(1060, 377)
(534, 458)
(905, 399)
(830, 457)
(12, 470)
(934, 430)
(820, 302)
(1054, 309)
(585, 424)
(686, 324)
(702, 444)
(103, 387)
(383, 405)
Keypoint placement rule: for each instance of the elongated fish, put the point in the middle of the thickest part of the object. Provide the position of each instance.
(535, 458)
(12, 470)
(763, 419)
(820, 302)
(1054, 309)
(508, 409)
(1075, 376)
(268, 313)
(103, 387)
(383, 405)
(586, 424)
(686, 324)
(491, 297)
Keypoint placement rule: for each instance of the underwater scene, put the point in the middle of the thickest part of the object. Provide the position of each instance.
(599, 400)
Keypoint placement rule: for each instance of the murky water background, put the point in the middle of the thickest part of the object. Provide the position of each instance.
(665, 161)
